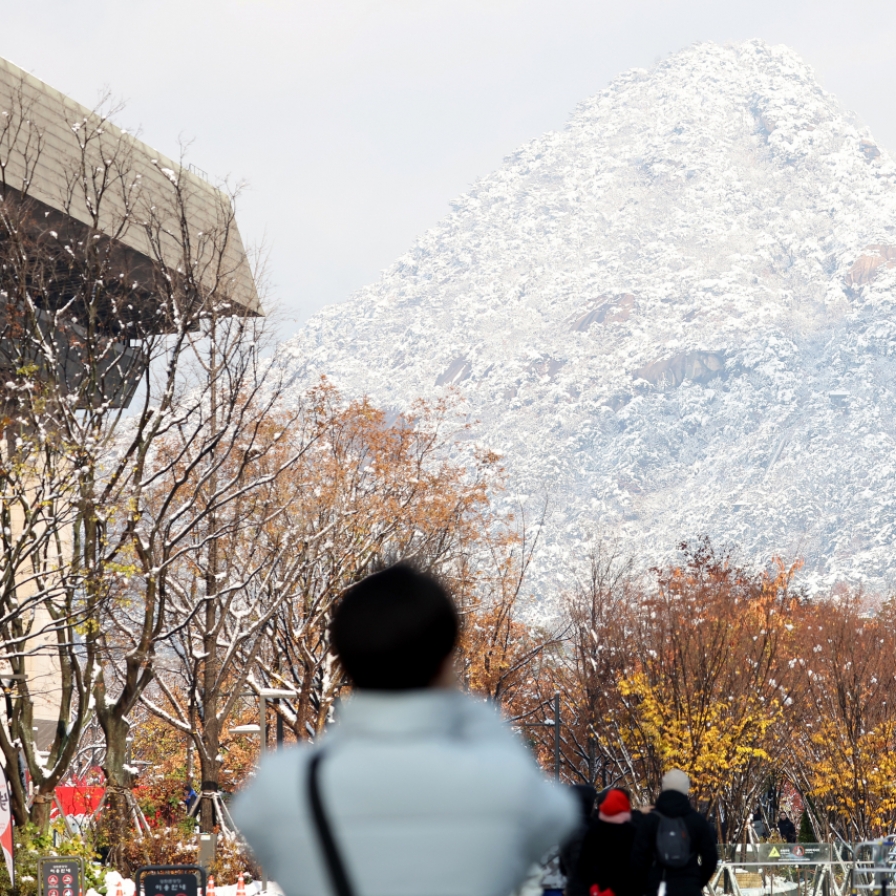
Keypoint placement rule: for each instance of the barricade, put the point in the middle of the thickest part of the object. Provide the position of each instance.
(784, 869)
(874, 867)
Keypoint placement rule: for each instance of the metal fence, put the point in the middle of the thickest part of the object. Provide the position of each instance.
(806, 869)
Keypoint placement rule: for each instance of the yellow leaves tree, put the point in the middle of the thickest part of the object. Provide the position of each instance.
(707, 684)
(710, 740)
(856, 778)
(842, 754)
(688, 670)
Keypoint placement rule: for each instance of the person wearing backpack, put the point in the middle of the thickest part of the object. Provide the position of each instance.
(674, 852)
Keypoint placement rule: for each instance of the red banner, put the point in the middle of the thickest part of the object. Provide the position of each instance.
(78, 800)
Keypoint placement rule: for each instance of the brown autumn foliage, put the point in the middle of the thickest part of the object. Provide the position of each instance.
(367, 491)
(502, 651)
(167, 762)
(843, 753)
(736, 677)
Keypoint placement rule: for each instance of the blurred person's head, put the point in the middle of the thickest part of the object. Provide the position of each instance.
(677, 780)
(586, 796)
(395, 630)
(615, 807)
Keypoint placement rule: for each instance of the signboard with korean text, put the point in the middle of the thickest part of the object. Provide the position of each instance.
(170, 880)
(779, 853)
(795, 853)
(60, 876)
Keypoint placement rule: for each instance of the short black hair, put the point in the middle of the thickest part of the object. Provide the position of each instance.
(394, 630)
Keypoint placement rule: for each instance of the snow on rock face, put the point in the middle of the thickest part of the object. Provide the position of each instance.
(673, 317)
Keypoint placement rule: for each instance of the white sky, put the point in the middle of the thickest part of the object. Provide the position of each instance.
(356, 121)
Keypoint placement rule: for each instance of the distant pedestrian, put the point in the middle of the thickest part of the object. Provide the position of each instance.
(759, 825)
(571, 849)
(190, 797)
(418, 789)
(605, 857)
(786, 828)
(675, 848)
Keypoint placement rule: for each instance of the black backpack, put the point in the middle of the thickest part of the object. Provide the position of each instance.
(673, 842)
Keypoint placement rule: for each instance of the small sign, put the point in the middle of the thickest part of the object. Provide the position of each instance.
(794, 853)
(170, 884)
(60, 876)
(169, 880)
(780, 853)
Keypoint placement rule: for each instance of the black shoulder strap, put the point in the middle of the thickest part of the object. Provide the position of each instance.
(338, 876)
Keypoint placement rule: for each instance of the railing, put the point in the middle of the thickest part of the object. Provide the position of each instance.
(795, 869)
(874, 867)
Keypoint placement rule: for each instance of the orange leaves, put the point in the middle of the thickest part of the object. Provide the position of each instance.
(369, 488)
(392, 480)
(844, 656)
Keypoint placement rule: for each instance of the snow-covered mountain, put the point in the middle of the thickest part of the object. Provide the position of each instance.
(675, 316)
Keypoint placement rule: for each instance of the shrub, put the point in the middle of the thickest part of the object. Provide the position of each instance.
(32, 845)
(173, 846)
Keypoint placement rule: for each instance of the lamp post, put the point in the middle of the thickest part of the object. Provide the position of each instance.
(275, 695)
(265, 694)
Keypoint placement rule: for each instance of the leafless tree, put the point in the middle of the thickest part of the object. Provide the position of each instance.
(368, 491)
(124, 330)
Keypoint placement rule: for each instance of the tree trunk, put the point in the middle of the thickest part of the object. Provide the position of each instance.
(40, 811)
(209, 767)
(208, 749)
(116, 812)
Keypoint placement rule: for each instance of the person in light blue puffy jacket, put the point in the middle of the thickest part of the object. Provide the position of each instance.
(424, 791)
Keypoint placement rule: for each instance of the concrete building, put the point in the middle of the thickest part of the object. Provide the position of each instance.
(52, 150)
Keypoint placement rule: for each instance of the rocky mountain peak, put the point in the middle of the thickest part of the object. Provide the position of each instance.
(674, 317)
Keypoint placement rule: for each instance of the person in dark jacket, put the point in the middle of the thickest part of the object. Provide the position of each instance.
(690, 880)
(569, 851)
(604, 859)
(786, 828)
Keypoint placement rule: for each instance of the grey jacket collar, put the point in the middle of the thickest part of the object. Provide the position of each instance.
(428, 713)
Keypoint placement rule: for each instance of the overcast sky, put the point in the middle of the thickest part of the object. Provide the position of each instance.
(355, 122)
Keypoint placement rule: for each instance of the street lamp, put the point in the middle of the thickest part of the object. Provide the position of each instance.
(276, 695)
